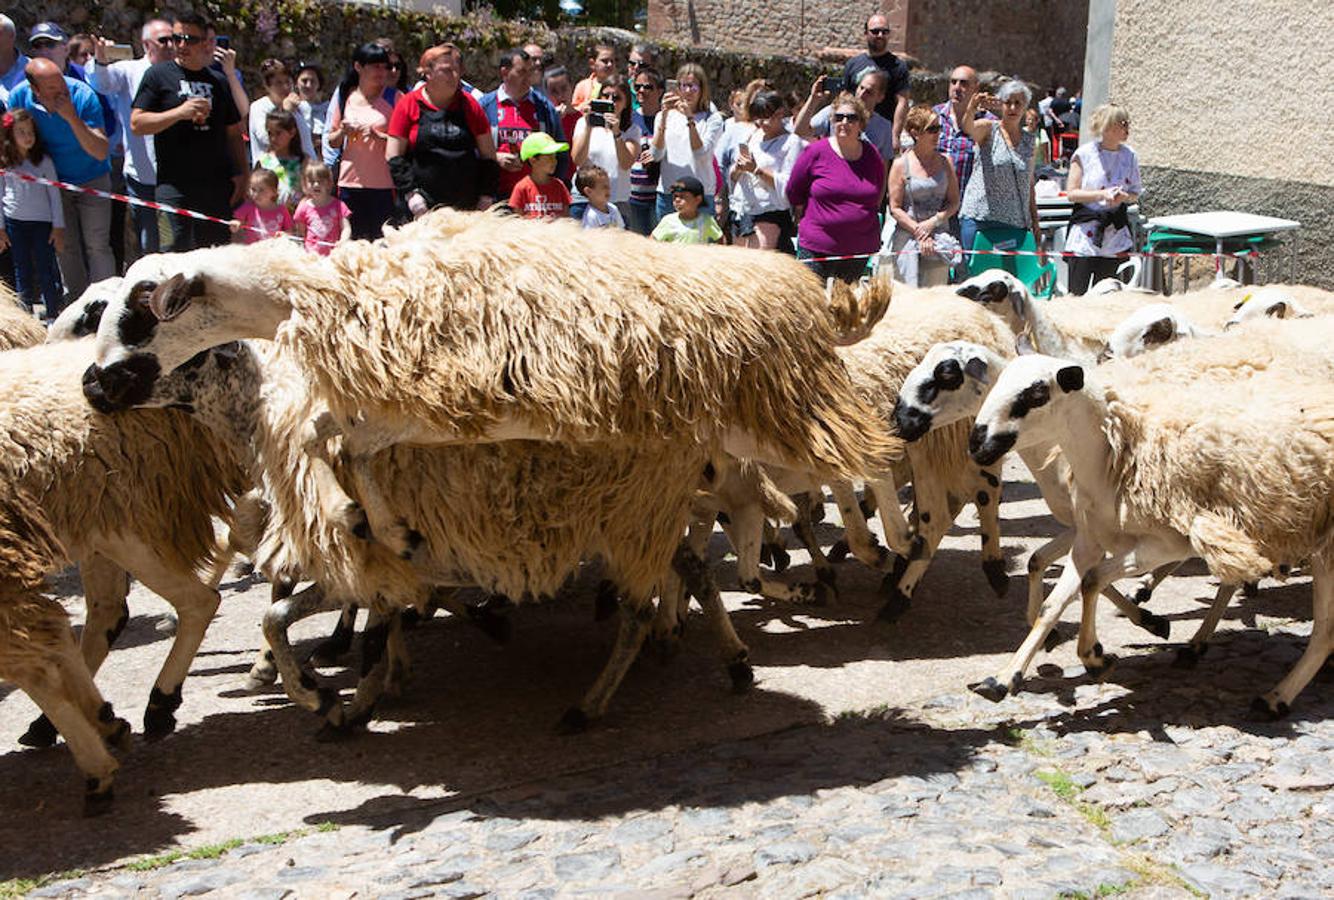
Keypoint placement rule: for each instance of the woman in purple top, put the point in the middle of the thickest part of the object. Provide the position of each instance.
(840, 182)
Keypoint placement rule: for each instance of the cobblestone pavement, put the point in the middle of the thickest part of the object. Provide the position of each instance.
(860, 766)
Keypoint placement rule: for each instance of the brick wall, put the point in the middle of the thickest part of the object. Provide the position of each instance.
(787, 27)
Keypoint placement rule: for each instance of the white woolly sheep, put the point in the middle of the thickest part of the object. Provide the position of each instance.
(18, 328)
(1234, 464)
(123, 494)
(38, 653)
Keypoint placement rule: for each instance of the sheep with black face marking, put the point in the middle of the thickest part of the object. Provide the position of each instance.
(123, 494)
(38, 653)
(1234, 464)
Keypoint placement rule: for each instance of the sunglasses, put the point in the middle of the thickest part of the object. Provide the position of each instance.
(188, 39)
(845, 117)
(636, 64)
(647, 87)
(165, 41)
(878, 32)
(932, 129)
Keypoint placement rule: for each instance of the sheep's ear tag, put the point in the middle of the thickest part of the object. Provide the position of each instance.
(173, 296)
(1070, 378)
(1242, 302)
(976, 369)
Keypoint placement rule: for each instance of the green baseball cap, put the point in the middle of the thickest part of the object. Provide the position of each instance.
(539, 143)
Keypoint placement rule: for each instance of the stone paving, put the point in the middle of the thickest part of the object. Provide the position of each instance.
(1151, 783)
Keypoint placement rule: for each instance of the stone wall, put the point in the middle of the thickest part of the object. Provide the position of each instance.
(1042, 41)
(1230, 111)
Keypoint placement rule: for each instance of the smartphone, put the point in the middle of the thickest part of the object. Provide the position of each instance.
(832, 84)
(673, 86)
(118, 52)
(224, 41)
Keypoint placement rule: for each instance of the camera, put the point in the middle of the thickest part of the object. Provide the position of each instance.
(832, 84)
(599, 110)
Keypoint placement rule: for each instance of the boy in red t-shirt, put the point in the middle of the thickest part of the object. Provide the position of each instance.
(540, 195)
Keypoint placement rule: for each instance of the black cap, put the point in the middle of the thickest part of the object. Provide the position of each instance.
(688, 184)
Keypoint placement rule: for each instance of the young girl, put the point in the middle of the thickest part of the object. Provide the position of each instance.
(34, 221)
(284, 156)
(262, 216)
(321, 217)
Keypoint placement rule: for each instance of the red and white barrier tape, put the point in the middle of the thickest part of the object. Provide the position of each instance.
(1065, 254)
(147, 204)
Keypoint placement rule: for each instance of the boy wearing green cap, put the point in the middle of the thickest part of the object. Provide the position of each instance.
(540, 194)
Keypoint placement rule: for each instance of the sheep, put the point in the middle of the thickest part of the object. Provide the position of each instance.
(81, 317)
(18, 328)
(123, 494)
(950, 385)
(1234, 464)
(512, 517)
(38, 653)
(1145, 328)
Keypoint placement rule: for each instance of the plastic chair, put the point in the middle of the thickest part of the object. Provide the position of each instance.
(1038, 277)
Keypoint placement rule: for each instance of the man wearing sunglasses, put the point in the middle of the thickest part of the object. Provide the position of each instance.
(187, 106)
(119, 82)
(894, 105)
(953, 140)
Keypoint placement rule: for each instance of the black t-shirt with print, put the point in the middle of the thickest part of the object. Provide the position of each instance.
(187, 152)
(900, 79)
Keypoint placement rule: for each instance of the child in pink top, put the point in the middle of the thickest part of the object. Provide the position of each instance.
(321, 217)
(262, 216)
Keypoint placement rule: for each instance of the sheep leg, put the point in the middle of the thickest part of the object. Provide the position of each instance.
(1149, 584)
(934, 520)
(635, 619)
(1190, 654)
(861, 541)
(772, 547)
(398, 663)
(736, 655)
(1145, 556)
(669, 620)
(302, 685)
(1042, 559)
(987, 500)
(105, 587)
(195, 603)
(264, 672)
(390, 530)
(804, 527)
(85, 743)
(330, 650)
(746, 533)
(1276, 703)
(374, 669)
(898, 533)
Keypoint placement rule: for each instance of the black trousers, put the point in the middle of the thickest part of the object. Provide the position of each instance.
(1085, 271)
(209, 197)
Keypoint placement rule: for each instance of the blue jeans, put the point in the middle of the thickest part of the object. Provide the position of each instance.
(643, 217)
(145, 219)
(665, 207)
(35, 267)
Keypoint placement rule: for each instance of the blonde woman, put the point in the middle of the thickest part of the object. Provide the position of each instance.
(923, 195)
(1103, 181)
(685, 135)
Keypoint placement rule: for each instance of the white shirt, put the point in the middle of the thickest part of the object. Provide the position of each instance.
(753, 195)
(259, 133)
(119, 82)
(602, 152)
(596, 218)
(677, 157)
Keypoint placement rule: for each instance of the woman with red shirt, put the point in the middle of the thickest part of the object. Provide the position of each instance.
(440, 148)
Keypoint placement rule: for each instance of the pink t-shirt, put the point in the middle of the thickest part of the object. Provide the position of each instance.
(364, 165)
(324, 224)
(270, 222)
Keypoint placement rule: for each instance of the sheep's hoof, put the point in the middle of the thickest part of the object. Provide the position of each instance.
(839, 552)
(608, 599)
(994, 569)
(823, 594)
(1054, 639)
(867, 507)
(1156, 625)
(1100, 667)
(1188, 656)
(121, 738)
(1250, 590)
(96, 802)
(817, 511)
(575, 721)
(159, 717)
(1263, 710)
(766, 557)
(410, 617)
(331, 650)
(781, 558)
(989, 688)
(40, 733)
(493, 624)
(742, 675)
(261, 675)
(896, 605)
(167, 624)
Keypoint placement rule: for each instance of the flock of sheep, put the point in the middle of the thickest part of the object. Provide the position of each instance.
(442, 410)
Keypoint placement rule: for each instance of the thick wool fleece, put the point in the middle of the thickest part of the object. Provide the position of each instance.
(17, 327)
(153, 474)
(30, 623)
(463, 320)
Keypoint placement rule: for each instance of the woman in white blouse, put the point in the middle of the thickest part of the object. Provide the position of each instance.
(279, 94)
(1103, 181)
(764, 160)
(610, 140)
(685, 135)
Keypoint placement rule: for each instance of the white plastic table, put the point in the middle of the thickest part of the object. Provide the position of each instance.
(1223, 224)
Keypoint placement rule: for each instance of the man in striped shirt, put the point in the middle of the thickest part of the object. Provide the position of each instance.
(954, 141)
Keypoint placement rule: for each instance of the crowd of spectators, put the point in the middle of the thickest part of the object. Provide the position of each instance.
(849, 170)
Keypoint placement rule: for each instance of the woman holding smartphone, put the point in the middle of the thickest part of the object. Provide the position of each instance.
(685, 135)
(1103, 181)
(608, 138)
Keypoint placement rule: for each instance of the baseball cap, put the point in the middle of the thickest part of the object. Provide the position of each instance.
(47, 31)
(539, 143)
(688, 184)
